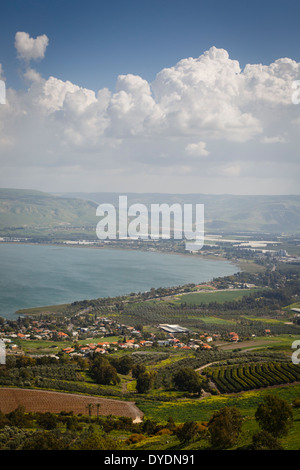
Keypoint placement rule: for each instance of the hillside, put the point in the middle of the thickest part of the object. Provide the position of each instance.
(35, 209)
(223, 213)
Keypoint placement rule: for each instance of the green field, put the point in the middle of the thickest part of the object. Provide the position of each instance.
(203, 409)
(294, 305)
(43, 309)
(217, 320)
(280, 341)
(220, 296)
(264, 319)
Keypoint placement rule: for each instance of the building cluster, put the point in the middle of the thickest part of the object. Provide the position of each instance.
(113, 336)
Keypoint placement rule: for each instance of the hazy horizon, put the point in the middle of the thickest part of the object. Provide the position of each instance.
(150, 192)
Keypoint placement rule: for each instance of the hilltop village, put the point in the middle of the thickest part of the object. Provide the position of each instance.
(114, 336)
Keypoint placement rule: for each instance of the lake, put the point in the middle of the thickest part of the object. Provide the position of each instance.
(39, 275)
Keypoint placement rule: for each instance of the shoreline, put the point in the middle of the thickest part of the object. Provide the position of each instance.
(210, 257)
(153, 250)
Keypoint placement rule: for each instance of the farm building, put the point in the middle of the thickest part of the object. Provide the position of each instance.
(173, 328)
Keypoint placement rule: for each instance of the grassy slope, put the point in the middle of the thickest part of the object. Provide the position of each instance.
(203, 409)
(35, 208)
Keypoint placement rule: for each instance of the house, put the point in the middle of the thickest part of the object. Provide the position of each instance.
(21, 336)
(234, 336)
(61, 334)
(163, 343)
(146, 343)
(100, 351)
(68, 350)
(128, 346)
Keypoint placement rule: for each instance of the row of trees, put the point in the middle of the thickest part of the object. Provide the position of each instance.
(236, 378)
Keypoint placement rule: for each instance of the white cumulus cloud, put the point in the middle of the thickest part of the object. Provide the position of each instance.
(197, 149)
(29, 48)
(200, 106)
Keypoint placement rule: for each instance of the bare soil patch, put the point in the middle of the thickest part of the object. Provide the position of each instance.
(55, 402)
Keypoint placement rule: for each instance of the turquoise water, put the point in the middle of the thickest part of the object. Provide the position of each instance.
(38, 275)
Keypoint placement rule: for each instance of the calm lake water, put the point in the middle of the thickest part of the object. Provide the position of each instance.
(38, 275)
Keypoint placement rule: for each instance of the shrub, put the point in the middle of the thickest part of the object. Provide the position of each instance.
(135, 438)
(262, 440)
(164, 432)
(296, 403)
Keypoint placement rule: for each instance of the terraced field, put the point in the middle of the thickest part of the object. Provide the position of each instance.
(238, 378)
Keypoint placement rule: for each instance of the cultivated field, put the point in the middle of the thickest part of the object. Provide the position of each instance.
(55, 402)
(219, 296)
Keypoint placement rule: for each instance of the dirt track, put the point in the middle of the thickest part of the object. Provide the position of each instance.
(55, 402)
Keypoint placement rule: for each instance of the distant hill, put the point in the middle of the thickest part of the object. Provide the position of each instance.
(20, 207)
(223, 213)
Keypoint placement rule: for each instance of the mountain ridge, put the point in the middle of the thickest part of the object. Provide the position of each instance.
(223, 213)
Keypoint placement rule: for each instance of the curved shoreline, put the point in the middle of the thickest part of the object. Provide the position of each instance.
(113, 247)
(172, 283)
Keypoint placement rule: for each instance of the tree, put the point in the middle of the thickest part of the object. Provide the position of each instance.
(18, 417)
(72, 423)
(171, 423)
(123, 365)
(103, 372)
(187, 432)
(137, 370)
(25, 361)
(144, 382)
(44, 440)
(89, 408)
(47, 420)
(275, 416)
(224, 427)
(263, 440)
(98, 406)
(150, 427)
(96, 441)
(188, 380)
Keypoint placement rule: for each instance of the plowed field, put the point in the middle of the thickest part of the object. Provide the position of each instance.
(55, 402)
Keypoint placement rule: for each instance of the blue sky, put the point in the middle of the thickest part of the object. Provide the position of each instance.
(158, 96)
(92, 42)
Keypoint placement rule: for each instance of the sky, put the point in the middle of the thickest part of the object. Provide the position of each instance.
(163, 96)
